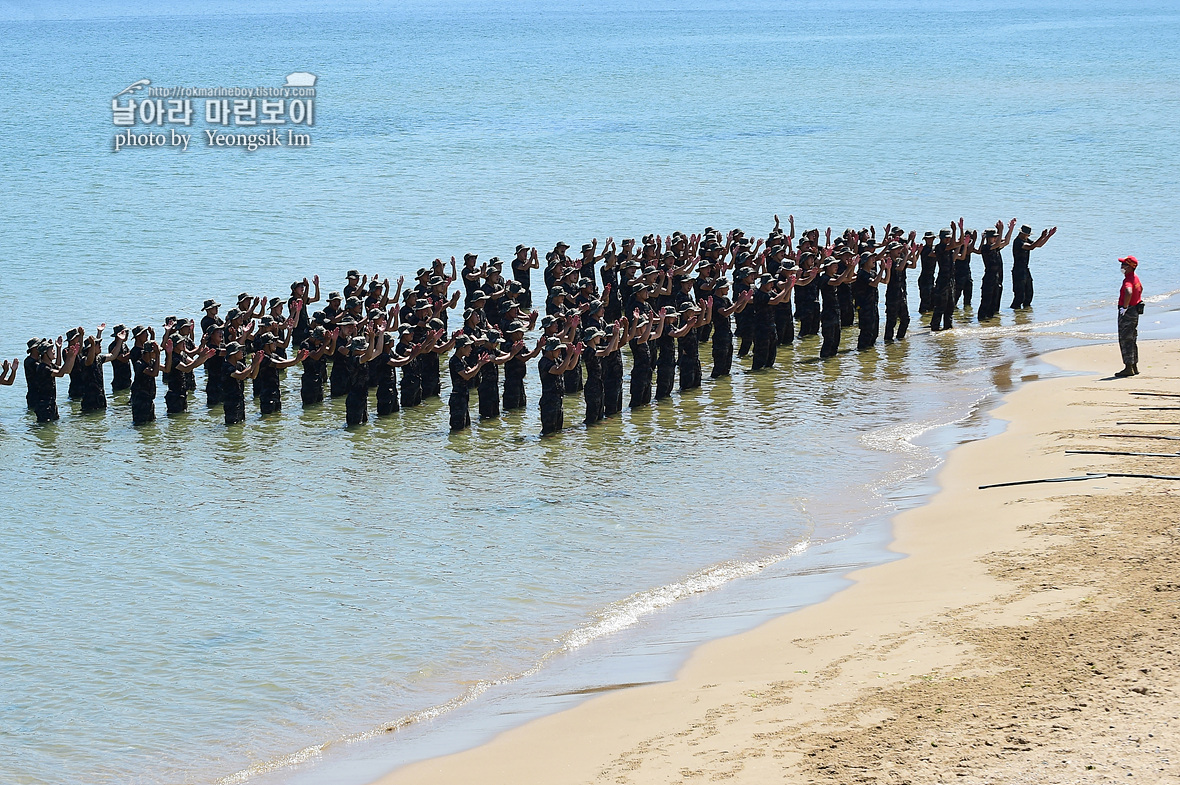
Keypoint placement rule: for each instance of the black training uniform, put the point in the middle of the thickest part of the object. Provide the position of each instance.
(1022, 280)
(991, 291)
(143, 391)
(765, 331)
(722, 338)
(94, 397)
(460, 400)
(233, 392)
(897, 307)
(552, 390)
(944, 288)
(593, 390)
(868, 315)
(829, 316)
(640, 374)
(928, 264)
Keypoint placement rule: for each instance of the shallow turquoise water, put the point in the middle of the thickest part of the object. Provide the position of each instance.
(179, 603)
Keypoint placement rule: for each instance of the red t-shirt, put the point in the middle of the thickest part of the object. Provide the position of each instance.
(1132, 292)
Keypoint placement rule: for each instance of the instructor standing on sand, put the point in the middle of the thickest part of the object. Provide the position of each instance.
(1130, 306)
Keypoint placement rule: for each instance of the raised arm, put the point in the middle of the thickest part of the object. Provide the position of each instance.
(71, 353)
(571, 359)
(9, 374)
(397, 295)
(680, 332)
(118, 346)
(1002, 239)
(299, 357)
(706, 317)
(251, 370)
(1044, 238)
(785, 293)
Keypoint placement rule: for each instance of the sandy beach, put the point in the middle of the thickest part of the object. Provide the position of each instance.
(1030, 634)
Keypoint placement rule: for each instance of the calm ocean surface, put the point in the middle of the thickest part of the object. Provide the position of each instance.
(182, 603)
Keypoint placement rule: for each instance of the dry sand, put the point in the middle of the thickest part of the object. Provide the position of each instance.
(1031, 635)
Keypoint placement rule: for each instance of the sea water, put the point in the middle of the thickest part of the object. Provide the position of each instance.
(186, 603)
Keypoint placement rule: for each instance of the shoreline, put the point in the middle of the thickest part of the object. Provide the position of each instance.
(653, 650)
(736, 699)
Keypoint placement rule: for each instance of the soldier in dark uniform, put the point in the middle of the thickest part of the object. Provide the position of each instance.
(299, 307)
(844, 297)
(573, 377)
(338, 379)
(360, 352)
(590, 258)
(613, 263)
(178, 363)
(267, 381)
(592, 389)
(75, 338)
(210, 319)
(1022, 281)
(319, 344)
(185, 337)
(391, 358)
(897, 307)
(743, 321)
(120, 354)
(723, 311)
(869, 275)
(612, 368)
(429, 366)
(556, 359)
(688, 348)
(652, 326)
(491, 357)
(991, 290)
(964, 285)
(472, 276)
(807, 295)
(411, 384)
(463, 368)
(214, 339)
(94, 397)
(45, 371)
(354, 284)
(766, 298)
(146, 367)
(944, 280)
(233, 387)
(523, 265)
(32, 357)
(333, 313)
(828, 281)
(516, 368)
(665, 359)
(926, 274)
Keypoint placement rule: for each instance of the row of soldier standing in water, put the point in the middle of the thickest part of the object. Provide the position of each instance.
(661, 299)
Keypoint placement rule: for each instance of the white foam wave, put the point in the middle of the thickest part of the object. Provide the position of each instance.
(627, 612)
(613, 618)
(1159, 298)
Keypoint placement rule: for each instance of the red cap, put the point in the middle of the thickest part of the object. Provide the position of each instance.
(1129, 260)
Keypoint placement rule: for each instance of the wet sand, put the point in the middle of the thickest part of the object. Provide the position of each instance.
(1030, 635)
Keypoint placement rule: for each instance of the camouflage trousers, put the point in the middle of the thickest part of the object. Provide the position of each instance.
(1129, 335)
